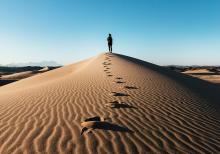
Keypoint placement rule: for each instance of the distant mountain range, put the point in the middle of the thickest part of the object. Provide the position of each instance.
(42, 64)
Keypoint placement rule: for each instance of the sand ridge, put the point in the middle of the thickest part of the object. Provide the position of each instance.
(164, 111)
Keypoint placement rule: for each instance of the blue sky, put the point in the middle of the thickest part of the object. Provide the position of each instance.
(182, 32)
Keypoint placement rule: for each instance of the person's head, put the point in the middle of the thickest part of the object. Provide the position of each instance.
(109, 34)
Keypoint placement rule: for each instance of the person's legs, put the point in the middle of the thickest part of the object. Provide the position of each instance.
(109, 48)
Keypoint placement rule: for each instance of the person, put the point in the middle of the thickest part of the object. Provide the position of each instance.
(110, 41)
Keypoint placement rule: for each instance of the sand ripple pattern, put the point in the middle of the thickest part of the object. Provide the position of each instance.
(42, 114)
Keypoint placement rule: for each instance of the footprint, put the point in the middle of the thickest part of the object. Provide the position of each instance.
(118, 94)
(119, 78)
(114, 102)
(96, 118)
(109, 75)
(106, 63)
(100, 123)
(119, 82)
(105, 70)
(130, 87)
(118, 104)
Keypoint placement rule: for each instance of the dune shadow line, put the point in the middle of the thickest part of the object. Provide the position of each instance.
(204, 89)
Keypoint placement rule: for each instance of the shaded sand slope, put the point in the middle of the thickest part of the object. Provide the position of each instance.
(12, 74)
(138, 107)
(211, 74)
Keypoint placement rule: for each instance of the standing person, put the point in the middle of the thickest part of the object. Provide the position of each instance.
(110, 41)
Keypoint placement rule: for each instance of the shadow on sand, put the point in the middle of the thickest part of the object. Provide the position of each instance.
(4, 82)
(108, 126)
(209, 73)
(118, 94)
(99, 123)
(119, 82)
(117, 105)
(204, 89)
(130, 87)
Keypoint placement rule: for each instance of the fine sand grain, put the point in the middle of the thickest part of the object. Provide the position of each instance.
(146, 109)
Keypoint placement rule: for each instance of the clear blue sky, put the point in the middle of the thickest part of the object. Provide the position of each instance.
(163, 32)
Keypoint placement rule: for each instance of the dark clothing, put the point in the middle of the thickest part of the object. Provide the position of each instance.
(110, 48)
(110, 41)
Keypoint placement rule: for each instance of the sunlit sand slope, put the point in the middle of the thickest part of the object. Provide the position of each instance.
(110, 104)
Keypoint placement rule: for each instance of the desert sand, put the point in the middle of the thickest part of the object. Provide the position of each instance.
(24, 74)
(110, 104)
(8, 76)
(205, 74)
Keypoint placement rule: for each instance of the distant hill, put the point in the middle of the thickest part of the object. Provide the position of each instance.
(12, 74)
(41, 64)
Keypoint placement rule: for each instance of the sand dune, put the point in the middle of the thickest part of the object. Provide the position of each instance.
(17, 76)
(9, 77)
(128, 105)
(205, 74)
(22, 75)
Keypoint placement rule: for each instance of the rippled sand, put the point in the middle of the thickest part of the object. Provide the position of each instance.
(144, 109)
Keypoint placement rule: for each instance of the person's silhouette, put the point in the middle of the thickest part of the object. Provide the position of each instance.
(110, 41)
